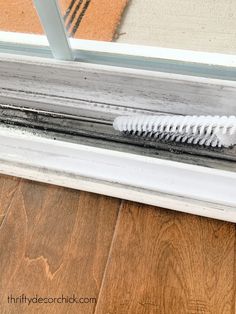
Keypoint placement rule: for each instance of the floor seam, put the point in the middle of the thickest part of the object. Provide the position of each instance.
(109, 255)
(5, 215)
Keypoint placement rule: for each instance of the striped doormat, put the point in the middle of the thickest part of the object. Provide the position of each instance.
(85, 19)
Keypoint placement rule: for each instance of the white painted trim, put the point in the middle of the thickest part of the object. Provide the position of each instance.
(53, 24)
(207, 58)
(70, 65)
(193, 189)
(155, 52)
(120, 191)
(24, 39)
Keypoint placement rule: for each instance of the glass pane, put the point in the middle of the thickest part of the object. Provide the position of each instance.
(206, 25)
(19, 16)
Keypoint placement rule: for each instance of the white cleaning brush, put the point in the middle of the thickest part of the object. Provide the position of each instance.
(212, 131)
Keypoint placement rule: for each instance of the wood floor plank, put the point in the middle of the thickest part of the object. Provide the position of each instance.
(8, 188)
(167, 262)
(53, 241)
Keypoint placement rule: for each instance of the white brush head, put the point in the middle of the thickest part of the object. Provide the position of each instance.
(214, 131)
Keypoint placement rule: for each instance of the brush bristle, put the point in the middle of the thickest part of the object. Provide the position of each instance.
(214, 131)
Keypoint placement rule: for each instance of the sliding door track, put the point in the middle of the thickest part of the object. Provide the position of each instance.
(100, 133)
(56, 127)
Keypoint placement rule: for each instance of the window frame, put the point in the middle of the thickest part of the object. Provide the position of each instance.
(167, 60)
(19, 146)
(196, 184)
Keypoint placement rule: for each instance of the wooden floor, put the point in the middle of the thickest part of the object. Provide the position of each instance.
(132, 258)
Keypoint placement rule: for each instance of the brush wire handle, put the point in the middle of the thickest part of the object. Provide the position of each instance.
(212, 131)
